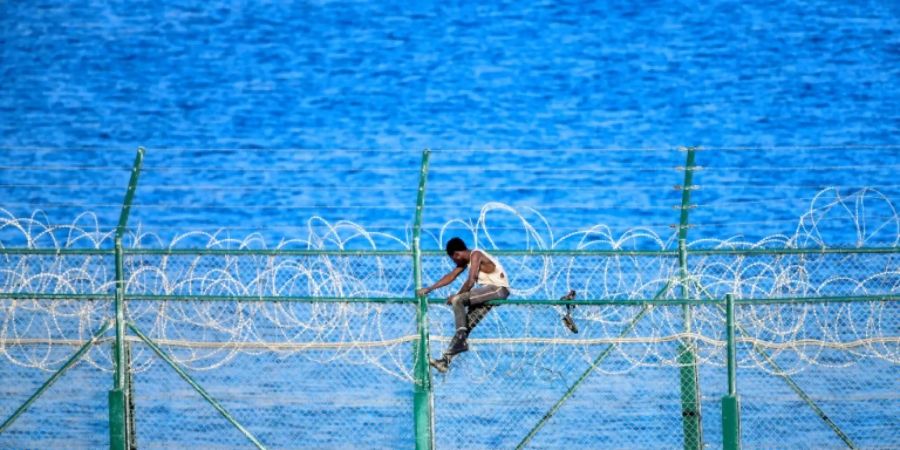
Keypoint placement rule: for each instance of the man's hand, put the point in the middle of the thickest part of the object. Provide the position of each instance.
(422, 292)
(450, 299)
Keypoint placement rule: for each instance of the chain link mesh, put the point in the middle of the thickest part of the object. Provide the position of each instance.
(319, 350)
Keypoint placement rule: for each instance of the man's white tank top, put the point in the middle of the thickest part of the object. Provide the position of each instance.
(497, 277)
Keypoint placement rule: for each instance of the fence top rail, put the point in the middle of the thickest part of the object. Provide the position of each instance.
(437, 301)
(535, 252)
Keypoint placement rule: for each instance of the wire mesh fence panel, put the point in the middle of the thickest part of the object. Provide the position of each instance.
(528, 380)
(56, 274)
(323, 275)
(307, 336)
(171, 414)
(829, 380)
(826, 335)
(285, 402)
(860, 398)
(796, 275)
(773, 415)
(639, 408)
(71, 413)
(42, 334)
(300, 348)
(292, 374)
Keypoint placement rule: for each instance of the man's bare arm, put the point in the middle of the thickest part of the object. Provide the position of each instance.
(445, 280)
(474, 267)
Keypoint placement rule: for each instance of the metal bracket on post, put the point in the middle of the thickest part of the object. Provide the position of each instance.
(731, 411)
(121, 420)
(687, 357)
(423, 395)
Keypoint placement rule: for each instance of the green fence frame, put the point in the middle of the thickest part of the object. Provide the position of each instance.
(423, 402)
(121, 406)
(687, 357)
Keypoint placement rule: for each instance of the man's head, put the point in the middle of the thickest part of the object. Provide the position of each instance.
(457, 251)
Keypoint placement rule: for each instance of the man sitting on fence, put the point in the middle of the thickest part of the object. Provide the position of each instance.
(493, 284)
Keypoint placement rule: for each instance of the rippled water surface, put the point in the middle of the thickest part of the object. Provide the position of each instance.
(220, 92)
(448, 75)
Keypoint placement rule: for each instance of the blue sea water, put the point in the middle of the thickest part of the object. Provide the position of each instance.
(555, 75)
(791, 97)
(84, 84)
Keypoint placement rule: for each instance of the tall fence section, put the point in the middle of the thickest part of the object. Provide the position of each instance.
(120, 338)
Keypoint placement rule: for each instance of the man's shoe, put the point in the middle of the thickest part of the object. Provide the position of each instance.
(459, 344)
(570, 324)
(441, 365)
(567, 319)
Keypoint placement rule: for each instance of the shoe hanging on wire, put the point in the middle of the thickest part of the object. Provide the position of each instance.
(567, 319)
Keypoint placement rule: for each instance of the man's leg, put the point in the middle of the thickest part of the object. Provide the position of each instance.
(478, 309)
(475, 315)
(484, 294)
(475, 300)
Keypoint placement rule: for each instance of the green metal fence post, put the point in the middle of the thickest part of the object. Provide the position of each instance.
(423, 396)
(121, 423)
(118, 411)
(687, 357)
(731, 411)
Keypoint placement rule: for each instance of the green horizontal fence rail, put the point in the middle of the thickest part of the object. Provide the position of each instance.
(438, 301)
(122, 432)
(10, 251)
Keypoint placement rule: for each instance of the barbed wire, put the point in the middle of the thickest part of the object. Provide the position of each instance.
(218, 329)
(866, 330)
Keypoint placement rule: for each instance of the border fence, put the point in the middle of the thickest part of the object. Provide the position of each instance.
(768, 344)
